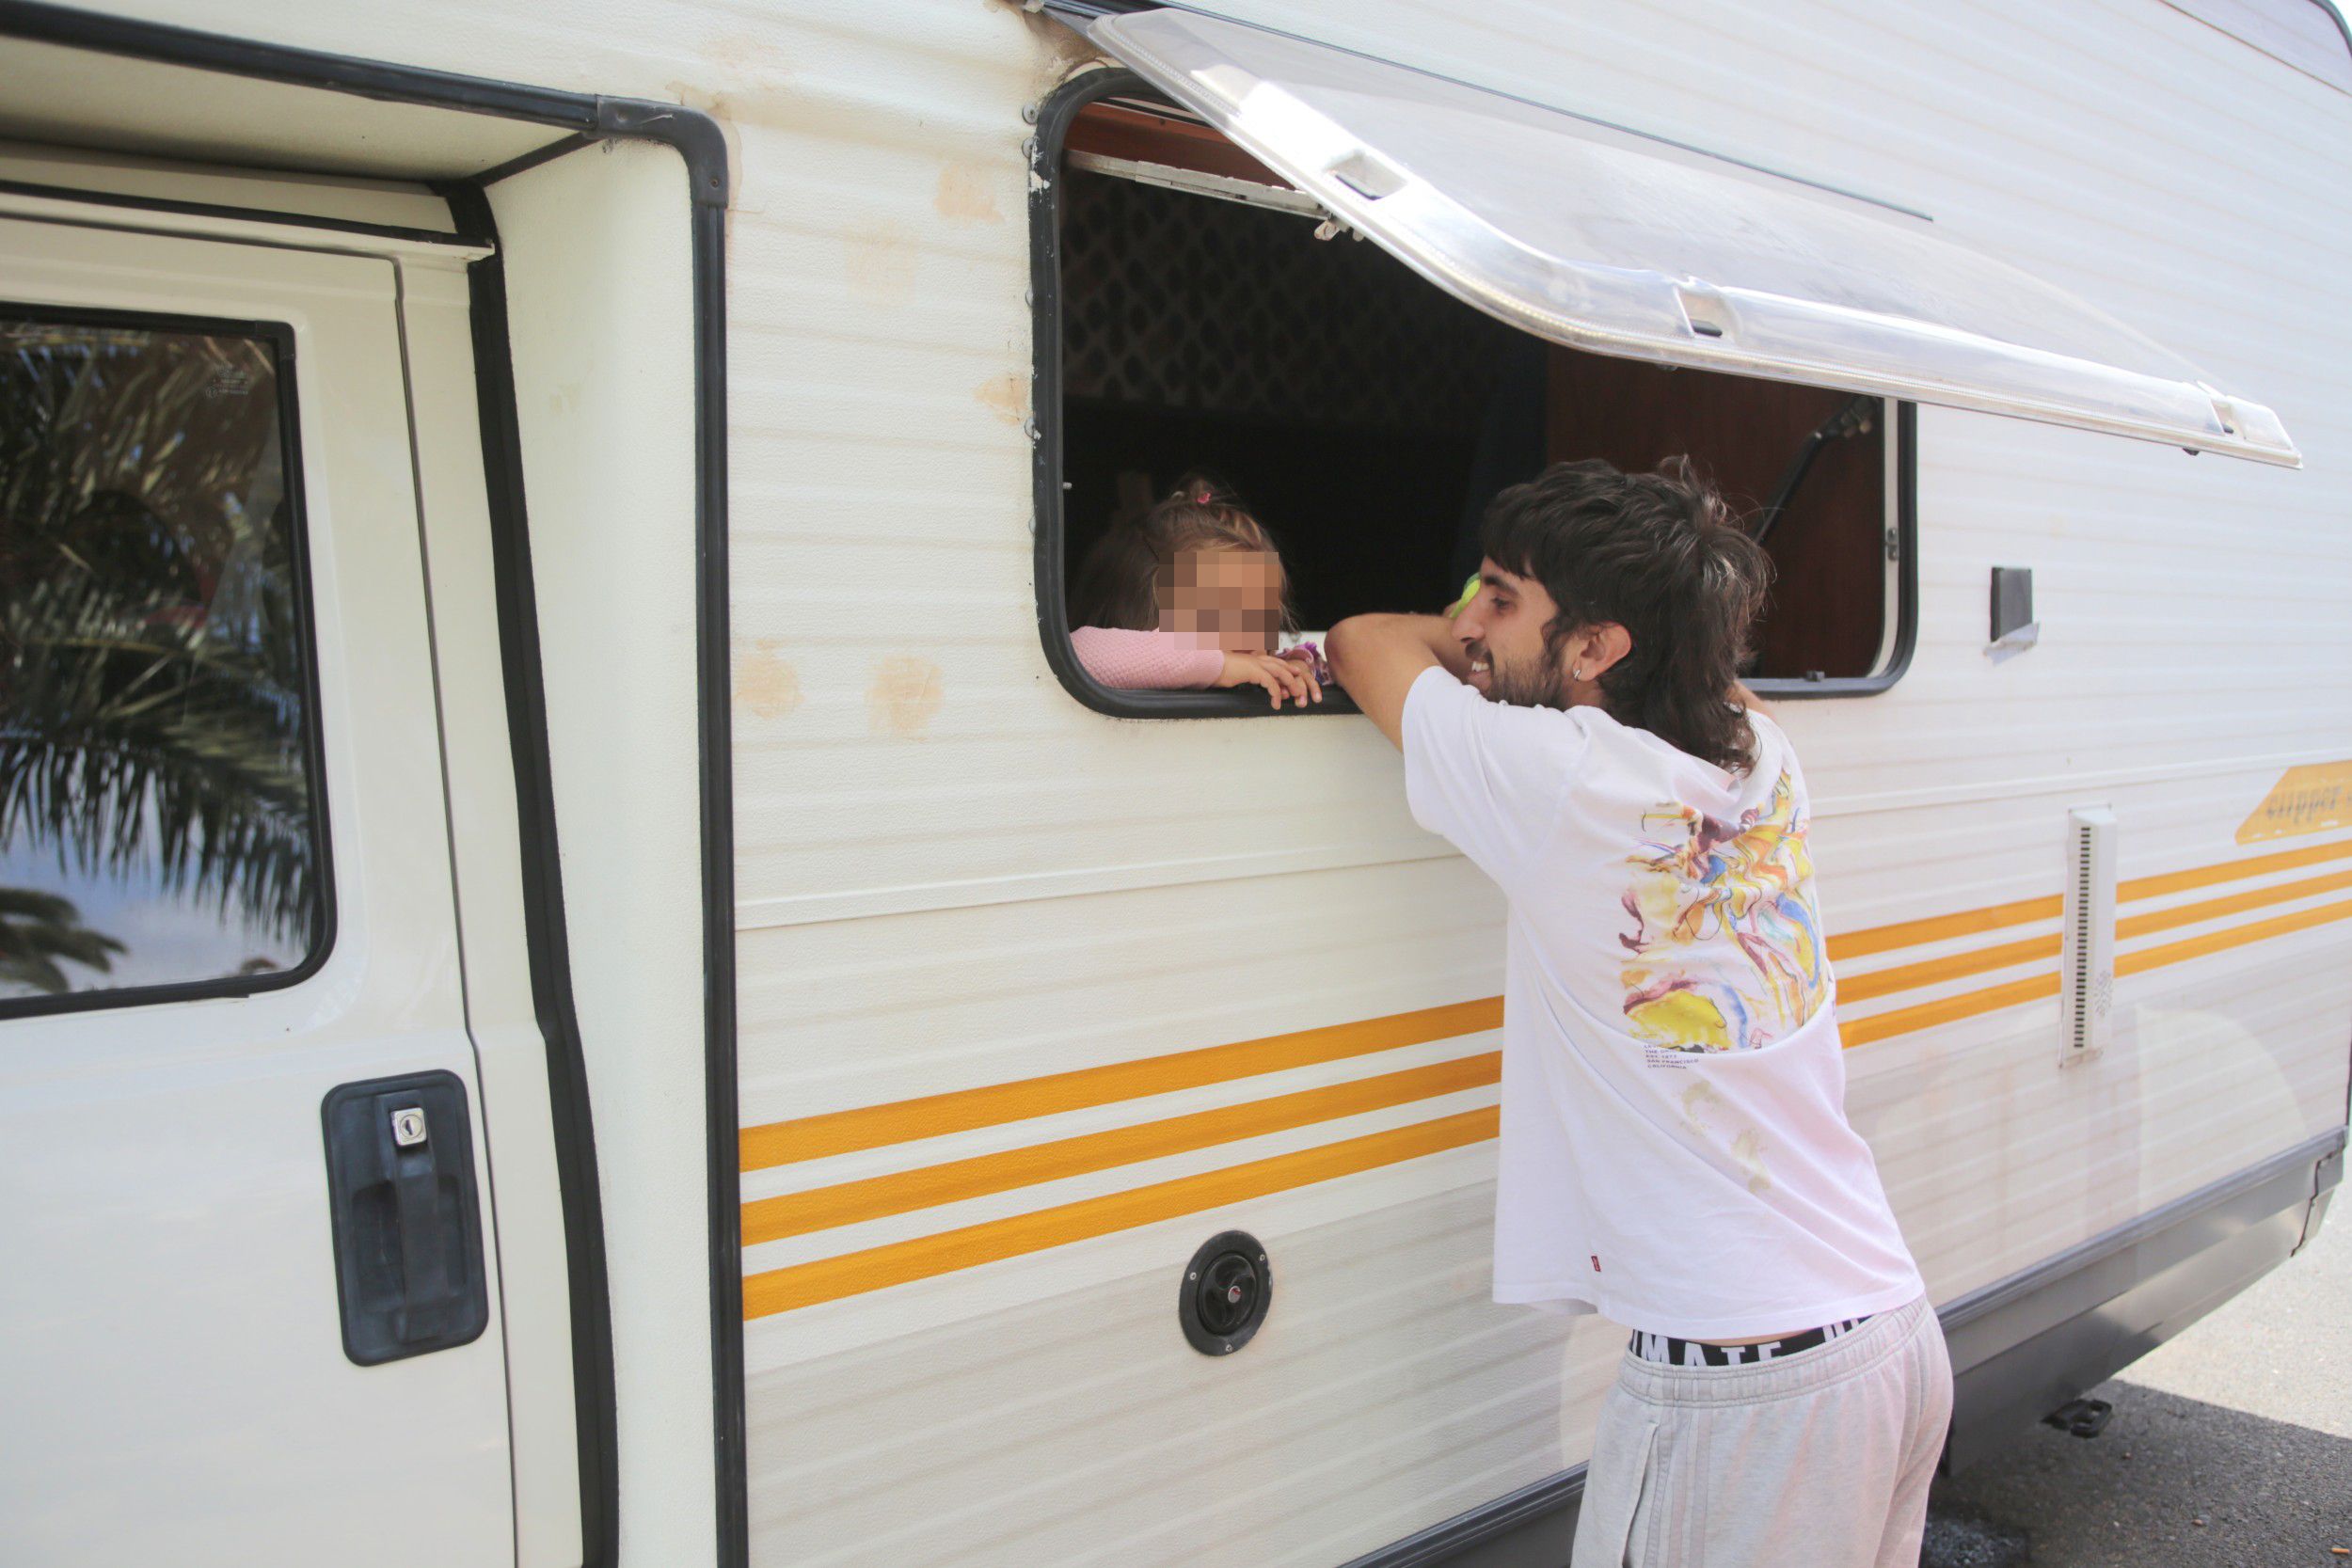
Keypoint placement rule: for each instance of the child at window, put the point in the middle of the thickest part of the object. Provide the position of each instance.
(1191, 595)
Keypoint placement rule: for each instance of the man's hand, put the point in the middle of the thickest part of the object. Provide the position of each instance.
(1378, 658)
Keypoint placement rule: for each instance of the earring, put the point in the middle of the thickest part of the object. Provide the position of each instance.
(1577, 674)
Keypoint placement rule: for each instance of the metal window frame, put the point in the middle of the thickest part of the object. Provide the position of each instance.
(1051, 564)
(279, 336)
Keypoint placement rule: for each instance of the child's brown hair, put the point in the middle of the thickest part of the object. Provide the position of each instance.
(1121, 582)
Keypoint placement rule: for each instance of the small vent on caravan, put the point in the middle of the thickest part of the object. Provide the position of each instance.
(2088, 955)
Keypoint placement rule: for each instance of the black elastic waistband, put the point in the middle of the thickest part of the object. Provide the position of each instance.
(1669, 1351)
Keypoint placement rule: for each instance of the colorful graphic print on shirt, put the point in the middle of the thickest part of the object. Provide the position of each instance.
(1725, 949)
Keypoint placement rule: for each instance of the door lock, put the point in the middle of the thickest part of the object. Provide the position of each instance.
(407, 1215)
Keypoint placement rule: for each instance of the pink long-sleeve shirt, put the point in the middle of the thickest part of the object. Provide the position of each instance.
(1145, 660)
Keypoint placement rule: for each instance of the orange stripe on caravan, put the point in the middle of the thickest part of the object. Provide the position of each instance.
(1902, 1021)
(1885, 982)
(2236, 903)
(830, 1278)
(1961, 923)
(2230, 871)
(877, 1125)
(769, 1219)
(2237, 936)
(1913, 933)
(874, 1126)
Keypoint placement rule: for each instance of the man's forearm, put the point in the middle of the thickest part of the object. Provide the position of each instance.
(1376, 658)
(1432, 632)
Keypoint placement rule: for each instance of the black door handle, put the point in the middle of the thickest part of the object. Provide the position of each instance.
(407, 1216)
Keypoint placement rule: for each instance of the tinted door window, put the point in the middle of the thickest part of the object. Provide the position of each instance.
(160, 822)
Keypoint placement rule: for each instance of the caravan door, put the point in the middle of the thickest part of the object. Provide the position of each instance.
(249, 1300)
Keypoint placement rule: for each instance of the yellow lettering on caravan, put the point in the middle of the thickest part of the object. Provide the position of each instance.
(2306, 799)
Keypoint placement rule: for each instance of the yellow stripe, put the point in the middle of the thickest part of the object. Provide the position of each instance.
(932, 1115)
(2230, 871)
(1883, 982)
(2236, 903)
(2237, 936)
(821, 1208)
(1915, 934)
(922, 1258)
(875, 1125)
(830, 1278)
(1912, 933)
(1902, 1021)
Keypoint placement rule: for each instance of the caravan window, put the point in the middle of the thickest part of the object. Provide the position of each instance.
(160, 826)
(1197, 314)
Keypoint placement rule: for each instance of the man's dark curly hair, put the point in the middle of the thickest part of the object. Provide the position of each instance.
(1661, 555)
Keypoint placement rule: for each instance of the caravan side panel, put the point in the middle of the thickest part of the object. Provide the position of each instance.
(954, 879)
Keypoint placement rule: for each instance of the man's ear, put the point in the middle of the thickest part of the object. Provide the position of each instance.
(1601, 647)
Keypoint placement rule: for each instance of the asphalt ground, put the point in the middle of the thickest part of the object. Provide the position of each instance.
(2230, 1446)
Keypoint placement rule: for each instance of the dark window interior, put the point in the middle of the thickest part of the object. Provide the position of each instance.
(1341, 396)
(1828, 541)
(1367, 417)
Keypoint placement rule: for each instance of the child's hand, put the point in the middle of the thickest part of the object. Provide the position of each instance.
(1282, 677)
(1310, 653)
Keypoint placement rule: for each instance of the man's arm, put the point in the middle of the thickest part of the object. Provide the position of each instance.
(1378, 658)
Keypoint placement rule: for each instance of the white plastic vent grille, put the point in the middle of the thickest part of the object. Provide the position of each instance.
(2086, 958)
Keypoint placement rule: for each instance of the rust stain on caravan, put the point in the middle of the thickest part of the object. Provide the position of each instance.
(757, 82)
(905, 696)
(964, 196)
(764, 61)
(1005, 396)
(879, 259)
(765, 685)
(1063, 52)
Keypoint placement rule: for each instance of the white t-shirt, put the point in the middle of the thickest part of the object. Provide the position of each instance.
(1675, 1149)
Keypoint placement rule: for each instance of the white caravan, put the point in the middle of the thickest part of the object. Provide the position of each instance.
(585, 980)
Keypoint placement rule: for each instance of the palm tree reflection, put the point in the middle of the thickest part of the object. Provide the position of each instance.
(152, 695)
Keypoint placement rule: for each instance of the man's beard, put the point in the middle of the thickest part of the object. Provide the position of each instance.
(1533, 683)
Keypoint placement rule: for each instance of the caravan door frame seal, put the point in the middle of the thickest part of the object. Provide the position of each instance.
(583, 118)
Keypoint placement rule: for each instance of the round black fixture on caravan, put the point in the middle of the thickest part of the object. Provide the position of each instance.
(1224, 1292)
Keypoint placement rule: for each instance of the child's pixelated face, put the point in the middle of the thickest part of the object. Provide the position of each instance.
(1229, 599)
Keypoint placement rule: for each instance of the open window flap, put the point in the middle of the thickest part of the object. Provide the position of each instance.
(1607, 241)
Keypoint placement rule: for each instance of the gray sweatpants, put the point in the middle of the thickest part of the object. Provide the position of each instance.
(1820, 1459)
